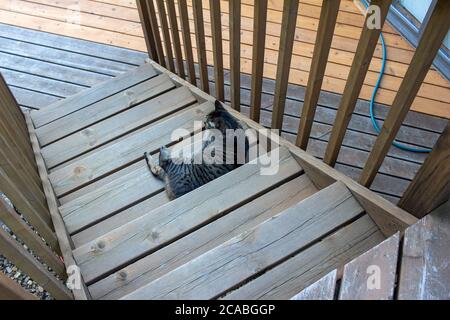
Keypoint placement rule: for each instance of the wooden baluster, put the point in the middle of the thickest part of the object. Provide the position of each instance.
(433, 35)
(216, 29)
(235, 53)
(176, 38)
(201, 48)
(186, 32)
(431, 186)
(147, 28)
(165, 33)
(327, 23)
(155, 31)
(364, 52)
(259, 41)
(288, 26)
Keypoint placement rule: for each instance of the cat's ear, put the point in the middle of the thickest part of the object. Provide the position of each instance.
(219, 106)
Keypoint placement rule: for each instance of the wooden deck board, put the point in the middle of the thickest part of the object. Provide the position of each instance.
(110, 22)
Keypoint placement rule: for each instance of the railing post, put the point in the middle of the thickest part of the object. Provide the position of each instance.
(186, 33)
(147, 28)
(431, 186)
(431, 41)
(364, 52)
(176, 38)
(165, 33)
(155, 31)
(216, 30)
(201, 47)
(287, 36)
(327, 23)
(235, 53)
(259, 40)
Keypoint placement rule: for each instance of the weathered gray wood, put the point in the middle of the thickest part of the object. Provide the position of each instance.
(24, 232)
(193, 245)
(11, 290)
(17, 254)
(126, 151)
(254, 250)
(103, 109)
(302, 270)
(322, 289)
(90, 96)
(115, 126)
(424, 273)
(371, 276)
(431, 186)
(180, 217)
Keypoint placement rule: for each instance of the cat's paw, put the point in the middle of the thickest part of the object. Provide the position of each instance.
(151, 163)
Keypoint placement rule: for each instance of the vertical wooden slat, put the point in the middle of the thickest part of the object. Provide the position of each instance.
(431, 186)
(364, 52)
(201, 48)
(216, 29)
(327, 23)
(429, 45)
(17, 254)
(235, 53)
(11, 290)
(287, 36)
(176, 38)
(259, 41)
(30, 238)
(185, 31)
(156, 34)
(147, 28)
(166, 34)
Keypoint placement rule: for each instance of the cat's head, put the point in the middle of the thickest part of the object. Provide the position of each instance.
(221, 119)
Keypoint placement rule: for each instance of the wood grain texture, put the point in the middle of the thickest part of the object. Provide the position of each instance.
(431, 186)
(372, 275)
(325, 31)
(11, 290)
(287, 36)
(90, 96)
(259, 44)
(254, 250)
(154, 229)
(208, 237)
(355, 80)
(322, 289)
(424, 273)
(433, 35)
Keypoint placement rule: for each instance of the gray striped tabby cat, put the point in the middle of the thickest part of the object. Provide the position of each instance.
(181, 177)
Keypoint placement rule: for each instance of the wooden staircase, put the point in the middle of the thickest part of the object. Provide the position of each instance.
(244, 235)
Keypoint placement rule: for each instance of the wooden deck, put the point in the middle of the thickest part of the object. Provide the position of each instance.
(131, 242)
(42, 68)
(116, 22)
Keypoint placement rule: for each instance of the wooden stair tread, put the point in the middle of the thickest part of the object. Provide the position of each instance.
(115, 126)
(254, 250)
(322, 289)
(206, 238)
(179, 216)
(129, 149)
(102, 109)
(87, 97)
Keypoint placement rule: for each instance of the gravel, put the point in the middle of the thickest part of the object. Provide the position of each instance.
(13, 272)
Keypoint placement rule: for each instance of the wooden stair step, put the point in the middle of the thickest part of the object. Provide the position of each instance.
(206, 238)
(180, 216)
(130, 149)
(103, 109)
(300, 271)
(87, 97)
(116, 126)
(322, 289)
(376, 267)
(253, 251)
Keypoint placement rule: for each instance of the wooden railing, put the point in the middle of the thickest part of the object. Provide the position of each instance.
(21, 183)
(427, 49)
